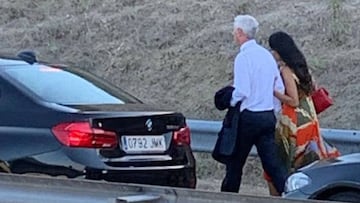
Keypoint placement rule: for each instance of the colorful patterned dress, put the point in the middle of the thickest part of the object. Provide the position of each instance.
(298, 135)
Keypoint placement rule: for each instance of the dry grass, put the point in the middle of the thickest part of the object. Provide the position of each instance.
(177, 54)
(338, 26)
(211, 173)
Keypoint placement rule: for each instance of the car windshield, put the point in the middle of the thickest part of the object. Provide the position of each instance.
(67, 86)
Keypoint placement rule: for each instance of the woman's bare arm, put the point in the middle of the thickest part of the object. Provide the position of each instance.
(291, 96)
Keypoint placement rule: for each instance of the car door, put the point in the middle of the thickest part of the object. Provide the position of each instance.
(21, 131)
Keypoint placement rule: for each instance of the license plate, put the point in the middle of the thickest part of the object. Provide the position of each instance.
(143, 143)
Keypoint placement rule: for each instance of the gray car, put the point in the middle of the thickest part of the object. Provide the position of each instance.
(335, 179)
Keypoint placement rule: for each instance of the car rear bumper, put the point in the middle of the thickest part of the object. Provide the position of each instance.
(182, 177)
(87, 163)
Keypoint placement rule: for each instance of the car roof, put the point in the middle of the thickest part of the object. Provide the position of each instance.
(8, 63)
(22, 58)
(8, 60)
(12, 62)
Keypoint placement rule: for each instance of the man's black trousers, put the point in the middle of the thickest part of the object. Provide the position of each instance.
(255, 128)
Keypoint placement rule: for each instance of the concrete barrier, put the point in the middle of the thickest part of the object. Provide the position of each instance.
(30, 189)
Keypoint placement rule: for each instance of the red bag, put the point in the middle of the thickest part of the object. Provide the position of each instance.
(321, 99)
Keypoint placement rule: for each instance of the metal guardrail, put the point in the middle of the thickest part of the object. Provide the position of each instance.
(204, 135)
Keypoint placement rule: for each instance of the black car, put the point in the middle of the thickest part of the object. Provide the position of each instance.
(62, 121)
(336, 179)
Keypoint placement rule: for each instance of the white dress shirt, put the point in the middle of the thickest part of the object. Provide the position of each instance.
(256, 76)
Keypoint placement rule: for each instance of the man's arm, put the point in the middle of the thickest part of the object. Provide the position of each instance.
(241, 80)
(280, 88)
(279, 83)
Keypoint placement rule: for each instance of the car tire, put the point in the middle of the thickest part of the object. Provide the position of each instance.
(347, 196)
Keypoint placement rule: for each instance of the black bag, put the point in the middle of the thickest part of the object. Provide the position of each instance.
(227, 137)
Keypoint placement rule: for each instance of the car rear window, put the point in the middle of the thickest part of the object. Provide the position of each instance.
(70, 87)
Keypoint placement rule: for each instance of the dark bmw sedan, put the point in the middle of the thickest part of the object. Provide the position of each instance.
(63, 121)
(336, 179)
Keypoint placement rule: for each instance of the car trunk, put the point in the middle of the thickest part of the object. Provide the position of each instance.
(145, 137)
(143, 140)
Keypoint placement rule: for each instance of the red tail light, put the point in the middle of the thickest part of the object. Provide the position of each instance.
(182, 136)
(81, 134)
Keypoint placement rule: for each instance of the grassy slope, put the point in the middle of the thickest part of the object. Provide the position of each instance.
(178, 54)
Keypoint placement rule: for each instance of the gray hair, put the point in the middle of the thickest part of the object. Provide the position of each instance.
(248, 24)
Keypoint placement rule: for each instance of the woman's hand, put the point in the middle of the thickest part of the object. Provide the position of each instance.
(286, 99)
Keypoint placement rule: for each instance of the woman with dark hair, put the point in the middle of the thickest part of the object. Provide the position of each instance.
(297, 130)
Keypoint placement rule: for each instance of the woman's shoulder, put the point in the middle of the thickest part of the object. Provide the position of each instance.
(284, 67)
(286, 71)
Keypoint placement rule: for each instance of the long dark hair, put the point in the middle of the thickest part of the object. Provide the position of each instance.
(285, 46)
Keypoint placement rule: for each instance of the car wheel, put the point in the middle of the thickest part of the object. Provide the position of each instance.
(348, 196)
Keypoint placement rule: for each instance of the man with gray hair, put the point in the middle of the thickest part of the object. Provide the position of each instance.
(256, 76)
